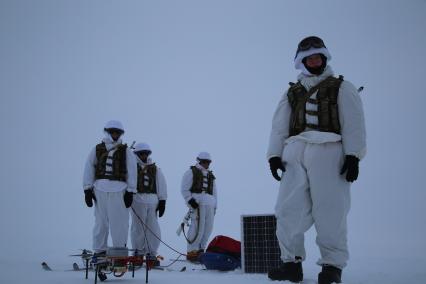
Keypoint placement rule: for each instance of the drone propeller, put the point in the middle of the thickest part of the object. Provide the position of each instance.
(85, 252)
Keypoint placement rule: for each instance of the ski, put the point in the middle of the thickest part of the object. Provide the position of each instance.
(166, 268)
(46, 266)
(75, 267)
(187, 261)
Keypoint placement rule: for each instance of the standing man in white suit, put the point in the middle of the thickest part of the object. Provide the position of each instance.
(110, 181)
(200, 193)
(150, 199)
(317, 139)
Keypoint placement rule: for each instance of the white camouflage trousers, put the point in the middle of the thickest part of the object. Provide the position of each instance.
(312, 192)
(204, 229)
(110, 215)
(142, 238)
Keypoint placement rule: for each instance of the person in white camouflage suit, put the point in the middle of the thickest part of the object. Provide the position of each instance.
(317, 139)
(199, 190)
(110, 181)
(151, 198)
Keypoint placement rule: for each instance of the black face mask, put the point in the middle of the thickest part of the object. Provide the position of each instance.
(317, 70)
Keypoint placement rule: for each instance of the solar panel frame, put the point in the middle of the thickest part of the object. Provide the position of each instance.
(259, 254)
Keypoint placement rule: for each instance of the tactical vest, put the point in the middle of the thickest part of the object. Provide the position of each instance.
(199, 181)
(326, 101)
(116, 163)
(147, 181)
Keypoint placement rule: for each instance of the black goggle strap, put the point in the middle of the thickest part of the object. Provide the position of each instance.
(116, 130)
(308, 43)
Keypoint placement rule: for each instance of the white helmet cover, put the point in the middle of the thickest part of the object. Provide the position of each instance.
(204, 156)
(142, 147)
(114, 124)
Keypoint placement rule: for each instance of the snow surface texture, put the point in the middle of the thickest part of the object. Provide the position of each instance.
(190, 76)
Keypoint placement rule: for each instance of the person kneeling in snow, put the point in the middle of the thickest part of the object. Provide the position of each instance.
(150, 199)
(317, 139)
(199, 191)
(110, 180)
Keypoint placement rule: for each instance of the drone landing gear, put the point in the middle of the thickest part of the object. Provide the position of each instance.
(102, 276)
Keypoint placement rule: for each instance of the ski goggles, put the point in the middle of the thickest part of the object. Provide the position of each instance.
(204, 161)
(143, 152)
(114, 130)
(310, 42)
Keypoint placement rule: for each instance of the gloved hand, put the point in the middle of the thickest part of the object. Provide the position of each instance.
(193, 203)
(128, 198)
(88, 196)
(161, 207)
(275, 163)
(350, 166)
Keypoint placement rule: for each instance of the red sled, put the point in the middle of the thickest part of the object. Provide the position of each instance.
(225, 245)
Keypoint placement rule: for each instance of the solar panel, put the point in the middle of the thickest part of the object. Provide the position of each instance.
(259, 245)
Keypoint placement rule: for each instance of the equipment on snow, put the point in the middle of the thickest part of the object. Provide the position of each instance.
(223, 253)
(219, 261)
(75, 267)
(117, 261)
(194, 256)
(225, 245)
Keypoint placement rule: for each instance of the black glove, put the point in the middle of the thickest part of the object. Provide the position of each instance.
(88, 196)
(350, 166)
(193, 203)
(161, 207)
(128, 199)
(275, 163)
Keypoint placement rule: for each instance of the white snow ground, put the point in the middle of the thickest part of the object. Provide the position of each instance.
(372, 271)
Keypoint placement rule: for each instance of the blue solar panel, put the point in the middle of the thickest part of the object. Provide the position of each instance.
(259, 245)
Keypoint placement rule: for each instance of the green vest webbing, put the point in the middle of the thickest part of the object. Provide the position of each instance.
(198, 182)
(147, 179)
(326, 100)
(118, 163)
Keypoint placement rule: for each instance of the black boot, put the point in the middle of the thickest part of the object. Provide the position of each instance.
(291, 271)
(330, 274)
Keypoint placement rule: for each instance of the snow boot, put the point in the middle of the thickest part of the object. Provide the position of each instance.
(291, 271)
(330, 274)
(192, 256)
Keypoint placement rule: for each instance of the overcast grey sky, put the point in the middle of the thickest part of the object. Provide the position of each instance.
(190, 76)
